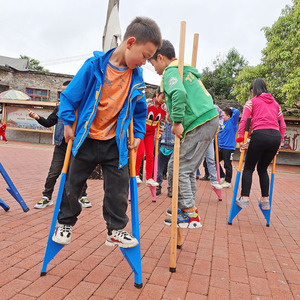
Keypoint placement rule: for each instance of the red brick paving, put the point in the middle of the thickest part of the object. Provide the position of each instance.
(244, 261)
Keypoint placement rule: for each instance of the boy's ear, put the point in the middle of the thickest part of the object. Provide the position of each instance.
(130, 42)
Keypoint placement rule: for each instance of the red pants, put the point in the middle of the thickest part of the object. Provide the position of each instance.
(3, 136)
(146, 146)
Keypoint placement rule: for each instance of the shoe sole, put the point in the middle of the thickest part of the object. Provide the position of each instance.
(86, 205)
(192, 225)
(45, 205)
(58, 241)
(111, 244)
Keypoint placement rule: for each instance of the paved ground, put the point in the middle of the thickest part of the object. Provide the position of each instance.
(244, 261)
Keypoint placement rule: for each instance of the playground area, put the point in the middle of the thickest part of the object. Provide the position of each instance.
(245, 260)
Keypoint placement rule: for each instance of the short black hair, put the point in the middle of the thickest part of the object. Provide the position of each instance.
(167, 49)
(144, 30)
(228, 111)
(258, 87)
(66, 82)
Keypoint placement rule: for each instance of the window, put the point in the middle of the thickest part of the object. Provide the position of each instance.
(38, 95)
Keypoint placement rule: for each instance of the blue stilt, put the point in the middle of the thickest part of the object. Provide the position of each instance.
(133, 255)
(53, 248)
(4, 205)
(234, 209)
(13, 190)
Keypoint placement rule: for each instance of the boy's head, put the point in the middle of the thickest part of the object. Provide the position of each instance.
(142, 38)
(65, 84)
(227, 113)
(163, 56)
(159, 97)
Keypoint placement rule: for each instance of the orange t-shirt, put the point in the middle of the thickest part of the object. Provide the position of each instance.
(114, 92)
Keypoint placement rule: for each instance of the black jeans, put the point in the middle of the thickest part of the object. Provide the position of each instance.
(264, 144)
(115, 183)
(226, 155)
(55, 170)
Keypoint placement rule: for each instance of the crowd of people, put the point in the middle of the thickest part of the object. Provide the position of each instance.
(108, 92)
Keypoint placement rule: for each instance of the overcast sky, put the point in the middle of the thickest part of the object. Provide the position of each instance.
(57, 31)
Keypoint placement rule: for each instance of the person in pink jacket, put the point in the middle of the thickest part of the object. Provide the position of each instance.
(268, 128)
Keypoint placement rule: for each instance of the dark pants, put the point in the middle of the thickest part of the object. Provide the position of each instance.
(163, 161)
(55, 170)
(116, 183)
(263, 146)
(226, 155)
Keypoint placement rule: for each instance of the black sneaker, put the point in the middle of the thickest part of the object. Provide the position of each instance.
(158, 190)
(204, 178)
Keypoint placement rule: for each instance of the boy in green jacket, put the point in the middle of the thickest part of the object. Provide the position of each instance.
(195, 122)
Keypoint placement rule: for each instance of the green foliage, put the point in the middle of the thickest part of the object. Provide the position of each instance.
(34, 64)
(280, 65)
(223, 78)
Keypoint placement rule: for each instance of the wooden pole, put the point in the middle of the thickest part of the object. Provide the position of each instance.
(176, 163)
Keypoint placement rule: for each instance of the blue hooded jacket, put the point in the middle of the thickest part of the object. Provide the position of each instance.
(84, 93)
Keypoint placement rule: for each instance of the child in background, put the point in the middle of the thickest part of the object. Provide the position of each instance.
(155, 113)
(2, 130)
(194, 120)
(165, 151)
(109, 92)
(227, 143)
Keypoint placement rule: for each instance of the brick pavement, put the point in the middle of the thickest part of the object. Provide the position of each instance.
(244, 261)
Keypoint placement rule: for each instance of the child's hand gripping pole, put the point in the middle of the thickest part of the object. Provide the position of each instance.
(53, 248)
(234, 210)
(176, 164)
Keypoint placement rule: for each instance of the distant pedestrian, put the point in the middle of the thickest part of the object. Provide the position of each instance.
(2, 130)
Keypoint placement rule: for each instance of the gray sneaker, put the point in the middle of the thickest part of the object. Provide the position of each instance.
(242, 203)
(265, 205)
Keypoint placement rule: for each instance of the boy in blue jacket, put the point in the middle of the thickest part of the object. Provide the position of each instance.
(227, 143)
(108, 92)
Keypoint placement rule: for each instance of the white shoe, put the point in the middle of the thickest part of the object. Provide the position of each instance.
(138, 179)
(62, 234)
(226, 184)
(152, 182)
(222, 180)
(84, 201)
(45, 201)
(121, 238)
(216, 185)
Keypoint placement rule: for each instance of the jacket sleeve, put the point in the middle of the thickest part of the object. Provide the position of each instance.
(246, 114)
(175, 88)
(51, 120)
(73, 94)
(282, 126)
(139, 117)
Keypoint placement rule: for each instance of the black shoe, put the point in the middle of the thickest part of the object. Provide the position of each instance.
(158, 190)
(165, 176)
(204, 178)
(169, 192)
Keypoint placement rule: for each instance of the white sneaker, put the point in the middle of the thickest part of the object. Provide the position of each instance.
(216, 185)
(226, 184)
(152, 182)
(84, 201)
(222, 180)
(138, 179)
(62, 234)
(45, 201)
(121, 238)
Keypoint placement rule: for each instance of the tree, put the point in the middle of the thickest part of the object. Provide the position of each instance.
(280, 65)
(34, 64)
(222, 80)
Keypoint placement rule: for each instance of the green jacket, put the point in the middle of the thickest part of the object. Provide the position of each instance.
(187, 101)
